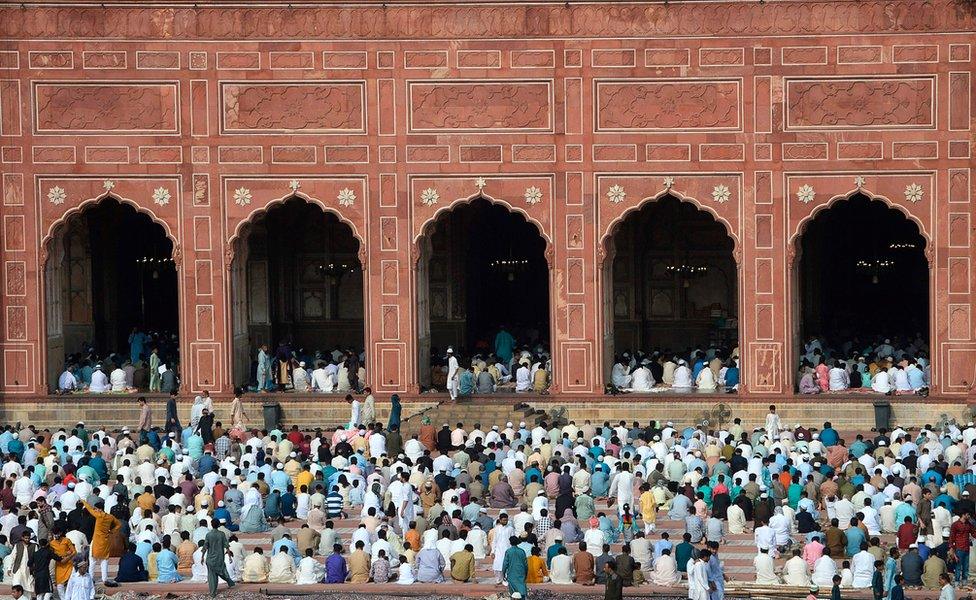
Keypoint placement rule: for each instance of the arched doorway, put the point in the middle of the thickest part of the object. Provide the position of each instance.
(296, 289)
(112, 294)
(861, 279)
(482, 268)
(670, 287)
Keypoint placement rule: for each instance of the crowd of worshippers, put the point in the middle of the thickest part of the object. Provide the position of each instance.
(504, 367)
(878, 513)
(525, 370)
(712, 370)
(885, 366)
(295, 370)
(151, 365)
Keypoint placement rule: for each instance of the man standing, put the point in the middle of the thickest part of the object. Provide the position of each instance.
(145, 415)
(205, 427)
(504, 344)
(137, 340)
(215, 546)
(107, 528)
(452, 373)
(515, 567)
(154, 363)
(168, 383)
(716, 574)
(772, 423)
(172, 417)
(354, 411)
(500, 538)
(615, 583)
(698, 577)
(960, 534)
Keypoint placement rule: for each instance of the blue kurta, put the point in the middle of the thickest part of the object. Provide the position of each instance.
(514, 569)
(166, 564)
(504, 344)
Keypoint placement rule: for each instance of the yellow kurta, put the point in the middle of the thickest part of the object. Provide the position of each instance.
(537, 571)
(65, 551)
(648, 507)
(107, 529)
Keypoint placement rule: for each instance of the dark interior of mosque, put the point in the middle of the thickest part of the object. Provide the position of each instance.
(485, 267)
(863, 274)
(110, 269)
(303, 283)
(673, 283)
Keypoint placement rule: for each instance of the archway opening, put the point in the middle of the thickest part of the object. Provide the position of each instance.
(297, 297)
(112, 300)
(863, 290)
(670, 295)
(483, 288)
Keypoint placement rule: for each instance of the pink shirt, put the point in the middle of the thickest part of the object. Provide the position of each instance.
(812, 551)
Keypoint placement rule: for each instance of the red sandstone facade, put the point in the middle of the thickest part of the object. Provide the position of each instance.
(763, 115)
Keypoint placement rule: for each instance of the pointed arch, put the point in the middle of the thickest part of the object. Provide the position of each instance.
(802, 225)
(63, 220)
(427, 226)
(614, 225)
(259, 213)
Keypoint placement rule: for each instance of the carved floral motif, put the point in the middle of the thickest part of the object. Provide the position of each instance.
(533, 195)
(56, 195)
(481, 105)
(307, 107)
(805, 194)
(651, 105)
(721, 194)
(346, 197)
(859, 103)
(161, 196)
(913, 192)
(242, 196)
(93, 108)
(429, 197)
(616, 194)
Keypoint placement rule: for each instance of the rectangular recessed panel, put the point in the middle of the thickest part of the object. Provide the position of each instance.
(100, 108)
(297, 108)
(668, 105)
(866, 103)
(453, 106)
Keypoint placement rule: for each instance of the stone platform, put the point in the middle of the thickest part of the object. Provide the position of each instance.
(845, 411)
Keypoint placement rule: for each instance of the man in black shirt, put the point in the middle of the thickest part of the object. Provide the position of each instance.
(614, 583)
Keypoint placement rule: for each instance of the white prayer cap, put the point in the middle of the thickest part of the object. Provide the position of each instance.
(301, 363)
(280, 466)
(450, 350)
(98, 366)
(162, 368)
